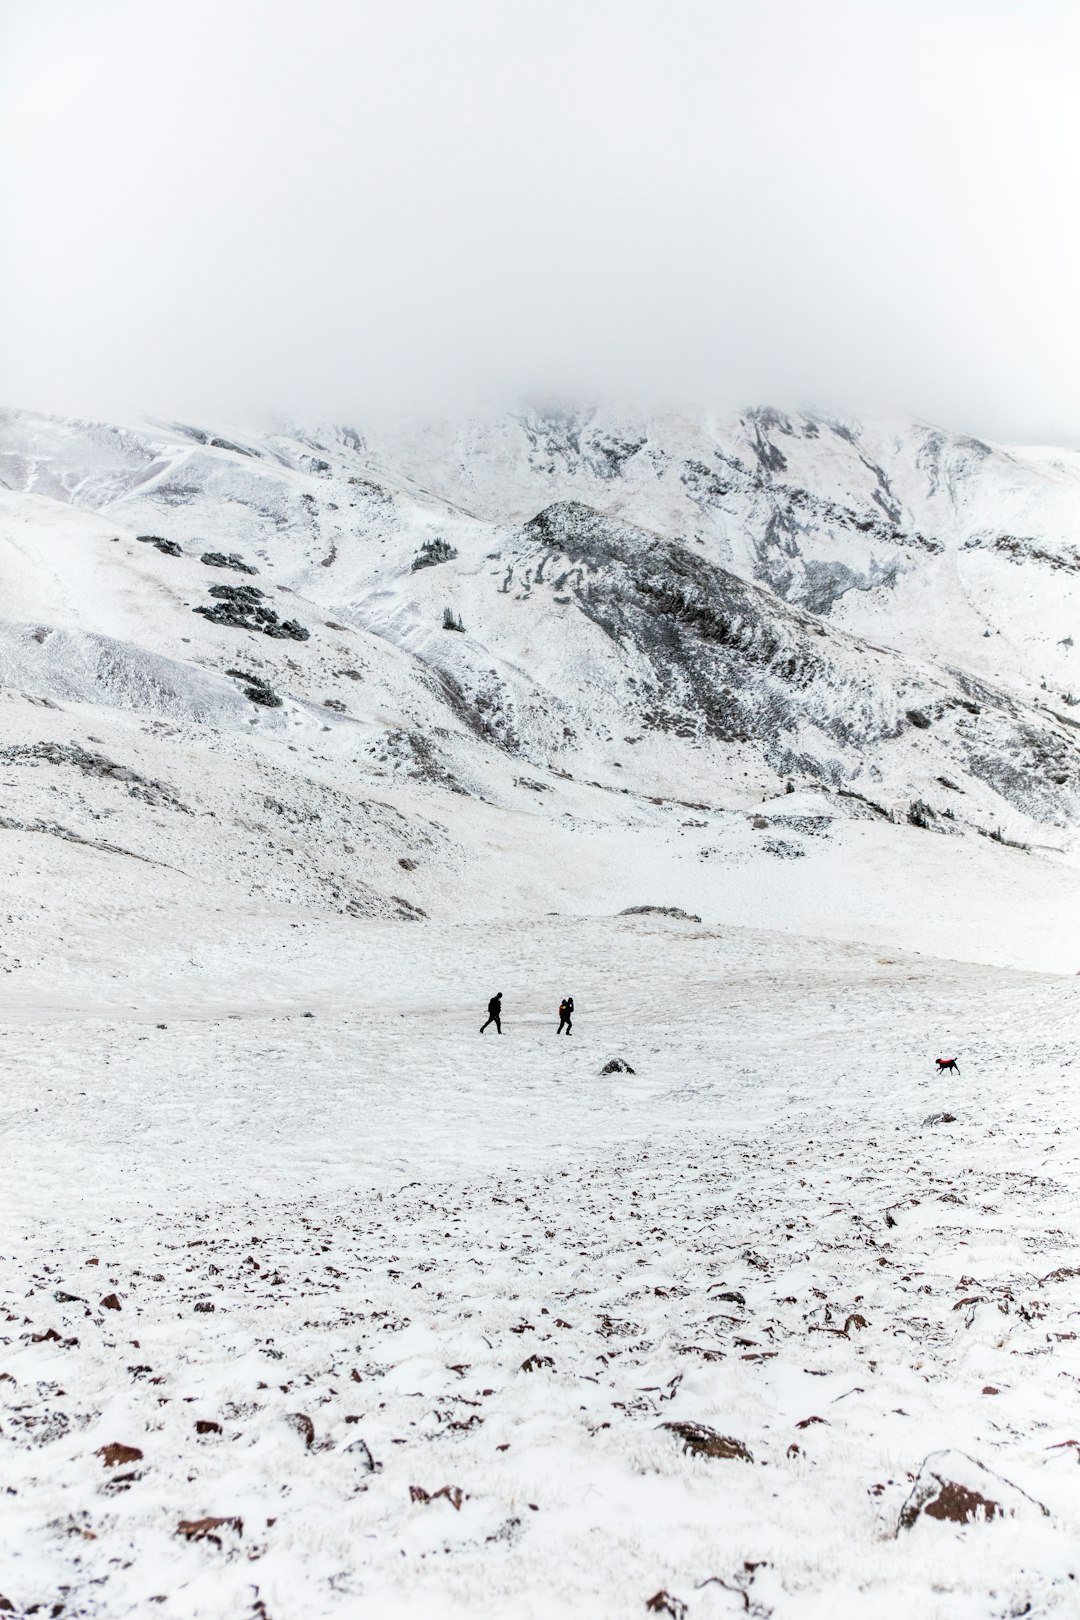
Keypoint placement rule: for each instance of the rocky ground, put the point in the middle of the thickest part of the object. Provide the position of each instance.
(306, 1312)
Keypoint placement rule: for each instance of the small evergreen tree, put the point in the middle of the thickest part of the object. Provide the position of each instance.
(432, 552)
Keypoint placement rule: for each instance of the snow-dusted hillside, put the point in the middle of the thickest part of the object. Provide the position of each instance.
(711, 647)
(934, 542)
(318, 1303)
(410, 1311)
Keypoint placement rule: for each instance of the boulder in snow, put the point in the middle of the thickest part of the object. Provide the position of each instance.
(706, 1442)
(207, 1529)
(659, 911)
(953, 1487)
(116, 1453)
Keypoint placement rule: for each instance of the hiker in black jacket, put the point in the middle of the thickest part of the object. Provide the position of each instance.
(566, 1013)
(494, 1014)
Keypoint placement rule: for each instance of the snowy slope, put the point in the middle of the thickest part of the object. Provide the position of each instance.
(627, 695)
(934, 542)
(409, 1310)
(659, 657)
(311, 1271)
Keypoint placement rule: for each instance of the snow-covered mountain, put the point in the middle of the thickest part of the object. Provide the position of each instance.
(346, 667)
(319, 1302)
(881, 526)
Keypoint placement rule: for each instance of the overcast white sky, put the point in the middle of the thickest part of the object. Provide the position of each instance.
(224, 207)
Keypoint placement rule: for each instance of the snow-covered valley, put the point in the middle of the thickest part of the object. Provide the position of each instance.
(407, 1308)
(349, 1258)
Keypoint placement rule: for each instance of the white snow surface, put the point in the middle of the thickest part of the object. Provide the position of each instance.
(374, 1254)
(376, 1218)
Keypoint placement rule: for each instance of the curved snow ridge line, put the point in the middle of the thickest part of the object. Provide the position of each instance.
(54, 829)
(80, 666)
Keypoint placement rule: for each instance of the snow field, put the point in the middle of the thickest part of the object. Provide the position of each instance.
(391, 1226)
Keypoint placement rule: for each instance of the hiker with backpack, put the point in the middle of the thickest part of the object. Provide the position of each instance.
(566, 1013)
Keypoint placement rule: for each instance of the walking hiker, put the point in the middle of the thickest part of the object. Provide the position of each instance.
(566, 1013)
(494, 1014)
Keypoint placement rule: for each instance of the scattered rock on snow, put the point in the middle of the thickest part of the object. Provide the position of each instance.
(942, 1118)
(42, 1428)
(256, 689)
(1062, 1274)
(116, 1453)
(240, 607)
(207, 1426)
(665, 1603)
(93, 765)
(535, 1363)
(451, 1493)
(110, 1303)
(206, 1529)
(406, 910)
(786, 848)
(303, 1426)
(617, 1066)
(219, 559)
(705, 1442)
(169, 547)
(659, 911)
(953, 1487)
(510, 1530)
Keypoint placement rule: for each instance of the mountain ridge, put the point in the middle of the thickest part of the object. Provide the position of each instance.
(581, 671)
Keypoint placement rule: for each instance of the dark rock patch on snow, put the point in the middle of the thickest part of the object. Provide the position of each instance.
(232, 559)
(956, 1489)
(91, 764)
(702, 1441)
(659, 911)
(240, 607)
(255, 688)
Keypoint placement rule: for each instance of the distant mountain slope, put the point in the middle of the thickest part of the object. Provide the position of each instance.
(358, 661)
(935, 542)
